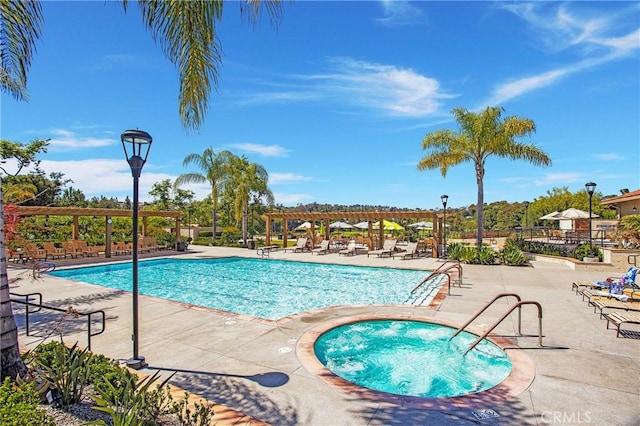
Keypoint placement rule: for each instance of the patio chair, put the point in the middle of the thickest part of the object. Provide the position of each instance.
(387, 249)
(300, 246)
(323, 249)
(410, 253)
(53, 252)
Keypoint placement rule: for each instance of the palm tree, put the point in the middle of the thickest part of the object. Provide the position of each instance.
(248, 180)
(481, 136)
(185, 30)
(215, 171)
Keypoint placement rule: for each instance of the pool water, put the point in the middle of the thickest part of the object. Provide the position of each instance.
(264, 288)
(411, 358)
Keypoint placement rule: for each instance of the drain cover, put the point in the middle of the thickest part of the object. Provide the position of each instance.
(486, 413)
(284, 349)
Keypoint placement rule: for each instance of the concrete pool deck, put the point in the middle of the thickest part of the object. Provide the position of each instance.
(583, 373)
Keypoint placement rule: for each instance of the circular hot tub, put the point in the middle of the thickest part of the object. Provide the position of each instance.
(413, 360)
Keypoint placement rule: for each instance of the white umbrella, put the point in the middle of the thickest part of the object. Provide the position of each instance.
(303, 226)
(362, 225)
(551, 216)
(340, 225)
(421, 225)
(570, 214)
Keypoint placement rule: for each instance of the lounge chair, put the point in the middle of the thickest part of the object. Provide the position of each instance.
(619, 318)
(323, 249)
(387, 249)
(353, 248)
(53, 252)
(410, 253)
(300, 246)
(603, 303)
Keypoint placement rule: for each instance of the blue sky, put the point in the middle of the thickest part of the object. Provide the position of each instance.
(334, 103)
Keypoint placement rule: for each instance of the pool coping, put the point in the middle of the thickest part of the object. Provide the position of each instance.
(521, 376)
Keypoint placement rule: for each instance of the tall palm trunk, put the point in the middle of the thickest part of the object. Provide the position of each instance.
(245, 221)
(12, 364)
(480, 206)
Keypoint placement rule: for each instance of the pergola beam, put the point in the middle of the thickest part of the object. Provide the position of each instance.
(371, 217)
(76, 212)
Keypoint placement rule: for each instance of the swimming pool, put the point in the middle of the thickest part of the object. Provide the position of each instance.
(264, 288)
(413, 358)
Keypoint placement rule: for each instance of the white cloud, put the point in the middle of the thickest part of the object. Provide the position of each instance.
(395, 91)
(285, 178)
(264, 150)
(608, 156)
(66, 140)
(561, 178)
(292, 199)
(561, 29)
(392, 90)
(398, 13)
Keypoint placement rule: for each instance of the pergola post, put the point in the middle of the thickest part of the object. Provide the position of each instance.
(107, 238)
(285, 228)
(381, 232)
(75, 228)
(268, 230)
(144, 226)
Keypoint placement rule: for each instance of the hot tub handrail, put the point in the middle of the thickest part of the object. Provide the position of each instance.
(485, 307)
(506, 314)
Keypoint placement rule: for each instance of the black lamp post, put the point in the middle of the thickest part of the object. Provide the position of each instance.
(526, 210)
(590, 189)
(137, 141)
(444, 198)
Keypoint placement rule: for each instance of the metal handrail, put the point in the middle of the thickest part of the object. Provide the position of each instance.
(506, 314)
(441, 270)
(39, 306)
(485, 307)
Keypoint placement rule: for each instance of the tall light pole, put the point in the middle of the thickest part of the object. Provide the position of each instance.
(444, 198)
(590, 189)
(137, 141)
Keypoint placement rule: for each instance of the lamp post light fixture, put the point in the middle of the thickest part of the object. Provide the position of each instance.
(591, 187)
(444, 198)
(136, 145)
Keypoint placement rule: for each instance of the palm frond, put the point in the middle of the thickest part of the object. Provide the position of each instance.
(20, 23)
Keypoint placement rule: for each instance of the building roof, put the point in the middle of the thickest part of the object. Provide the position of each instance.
(629, 196)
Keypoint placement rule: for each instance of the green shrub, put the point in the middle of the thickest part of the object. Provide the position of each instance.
(513, 256)
(202, 412)
(139, 404)
(455, 251)
(585, 250)
(66, 369)
(103, 372)
(19, 405)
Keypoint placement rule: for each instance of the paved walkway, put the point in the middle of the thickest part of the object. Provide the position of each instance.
(583, 373)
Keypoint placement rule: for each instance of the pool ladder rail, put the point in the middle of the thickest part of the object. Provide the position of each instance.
(452, 269)
(518, 305)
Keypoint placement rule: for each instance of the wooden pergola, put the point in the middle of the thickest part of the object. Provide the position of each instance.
(371, 217)
(76, 212)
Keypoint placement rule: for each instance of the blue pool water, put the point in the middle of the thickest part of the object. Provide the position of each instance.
(411, 358)
(263, 288)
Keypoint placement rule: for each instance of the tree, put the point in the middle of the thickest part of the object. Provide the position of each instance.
(481, 136)
(12, 364)
(185, 30)
(214, 170)
(248, 181)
